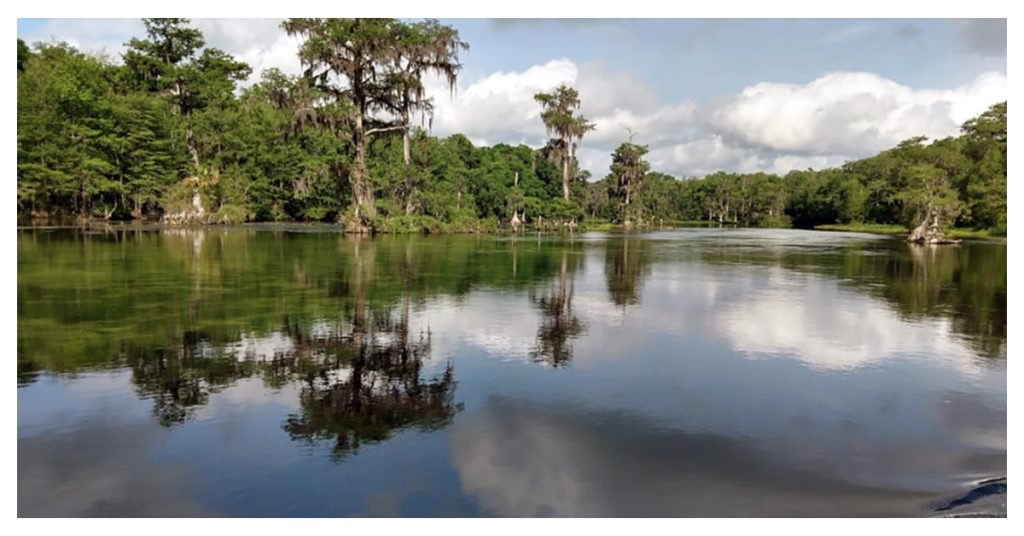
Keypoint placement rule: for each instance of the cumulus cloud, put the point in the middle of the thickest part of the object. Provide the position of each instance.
(500, 107)
(706, 154)
(259, 42)
(849, 113)
(772, 127)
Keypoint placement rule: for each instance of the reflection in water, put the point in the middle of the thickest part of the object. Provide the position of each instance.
(962, 281)
(370, 385)
(361, 380)
(522, 459)
(559, 323)
(964, 285)
(97, 300)
(627, 263)
(179, 384)
(525, 459)
(828, 327)
(710, 372)
(101, 470)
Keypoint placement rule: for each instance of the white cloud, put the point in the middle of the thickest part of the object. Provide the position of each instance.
(704, 155)
(259, 42)
(500, 108)
(607, 91)
(785, 163)
(770, 127)
(854, 114)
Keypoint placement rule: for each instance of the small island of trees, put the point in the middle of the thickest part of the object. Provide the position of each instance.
(168, 134)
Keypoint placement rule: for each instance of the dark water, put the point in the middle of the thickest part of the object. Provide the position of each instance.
(272, 372)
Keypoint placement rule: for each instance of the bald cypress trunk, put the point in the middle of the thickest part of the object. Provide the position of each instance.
(362, 192)
(190, 140)
(407, 157)
(929, 231)
(565, 175)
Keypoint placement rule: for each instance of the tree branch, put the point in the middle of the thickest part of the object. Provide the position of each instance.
(384, 129)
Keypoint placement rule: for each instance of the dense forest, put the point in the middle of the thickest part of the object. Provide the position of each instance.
(167, 132)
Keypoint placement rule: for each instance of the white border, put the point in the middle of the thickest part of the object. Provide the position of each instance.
(473, 9)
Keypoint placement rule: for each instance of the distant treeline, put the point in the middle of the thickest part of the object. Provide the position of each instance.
(961, 180)
(167, 133)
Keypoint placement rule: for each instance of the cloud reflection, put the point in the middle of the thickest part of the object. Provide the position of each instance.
(520, 458)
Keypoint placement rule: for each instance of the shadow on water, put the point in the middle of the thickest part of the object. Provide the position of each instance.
(989, 489)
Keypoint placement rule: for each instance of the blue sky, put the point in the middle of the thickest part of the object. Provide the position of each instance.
(702, 59)
(732, 94)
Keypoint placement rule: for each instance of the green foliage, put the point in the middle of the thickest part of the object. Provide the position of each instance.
(23, 54)
(928, 195)
(84, 149)
(411, 224)
(230, 214)
(629, 167)
(568, 127)
(103, 140)
(983, 188)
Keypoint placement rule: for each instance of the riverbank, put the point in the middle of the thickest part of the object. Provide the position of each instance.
(410, 225)
(400, 225)
(880, 228)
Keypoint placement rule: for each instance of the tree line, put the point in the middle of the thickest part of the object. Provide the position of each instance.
(956, 181)
(169, 133)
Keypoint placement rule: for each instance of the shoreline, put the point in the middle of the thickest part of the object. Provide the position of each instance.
(886, 229)
(877, 229)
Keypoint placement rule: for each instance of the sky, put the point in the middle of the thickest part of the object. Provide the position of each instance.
(704, 94)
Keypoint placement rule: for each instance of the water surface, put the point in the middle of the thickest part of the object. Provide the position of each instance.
(295, 371)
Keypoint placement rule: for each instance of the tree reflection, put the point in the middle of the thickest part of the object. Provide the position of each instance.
(361, 377)
(627, 263)
(180, 380)
(559, 323)
(83, 301)
(964, 284)
(359, 382)
(368, 386)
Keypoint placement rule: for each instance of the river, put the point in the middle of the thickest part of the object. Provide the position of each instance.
(289, 370)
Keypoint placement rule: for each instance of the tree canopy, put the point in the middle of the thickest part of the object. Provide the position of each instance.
(169, 133)
(562, 121)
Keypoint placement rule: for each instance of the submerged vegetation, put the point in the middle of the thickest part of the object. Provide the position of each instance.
(167, 133)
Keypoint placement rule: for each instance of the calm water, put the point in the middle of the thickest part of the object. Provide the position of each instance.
(279, 372)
